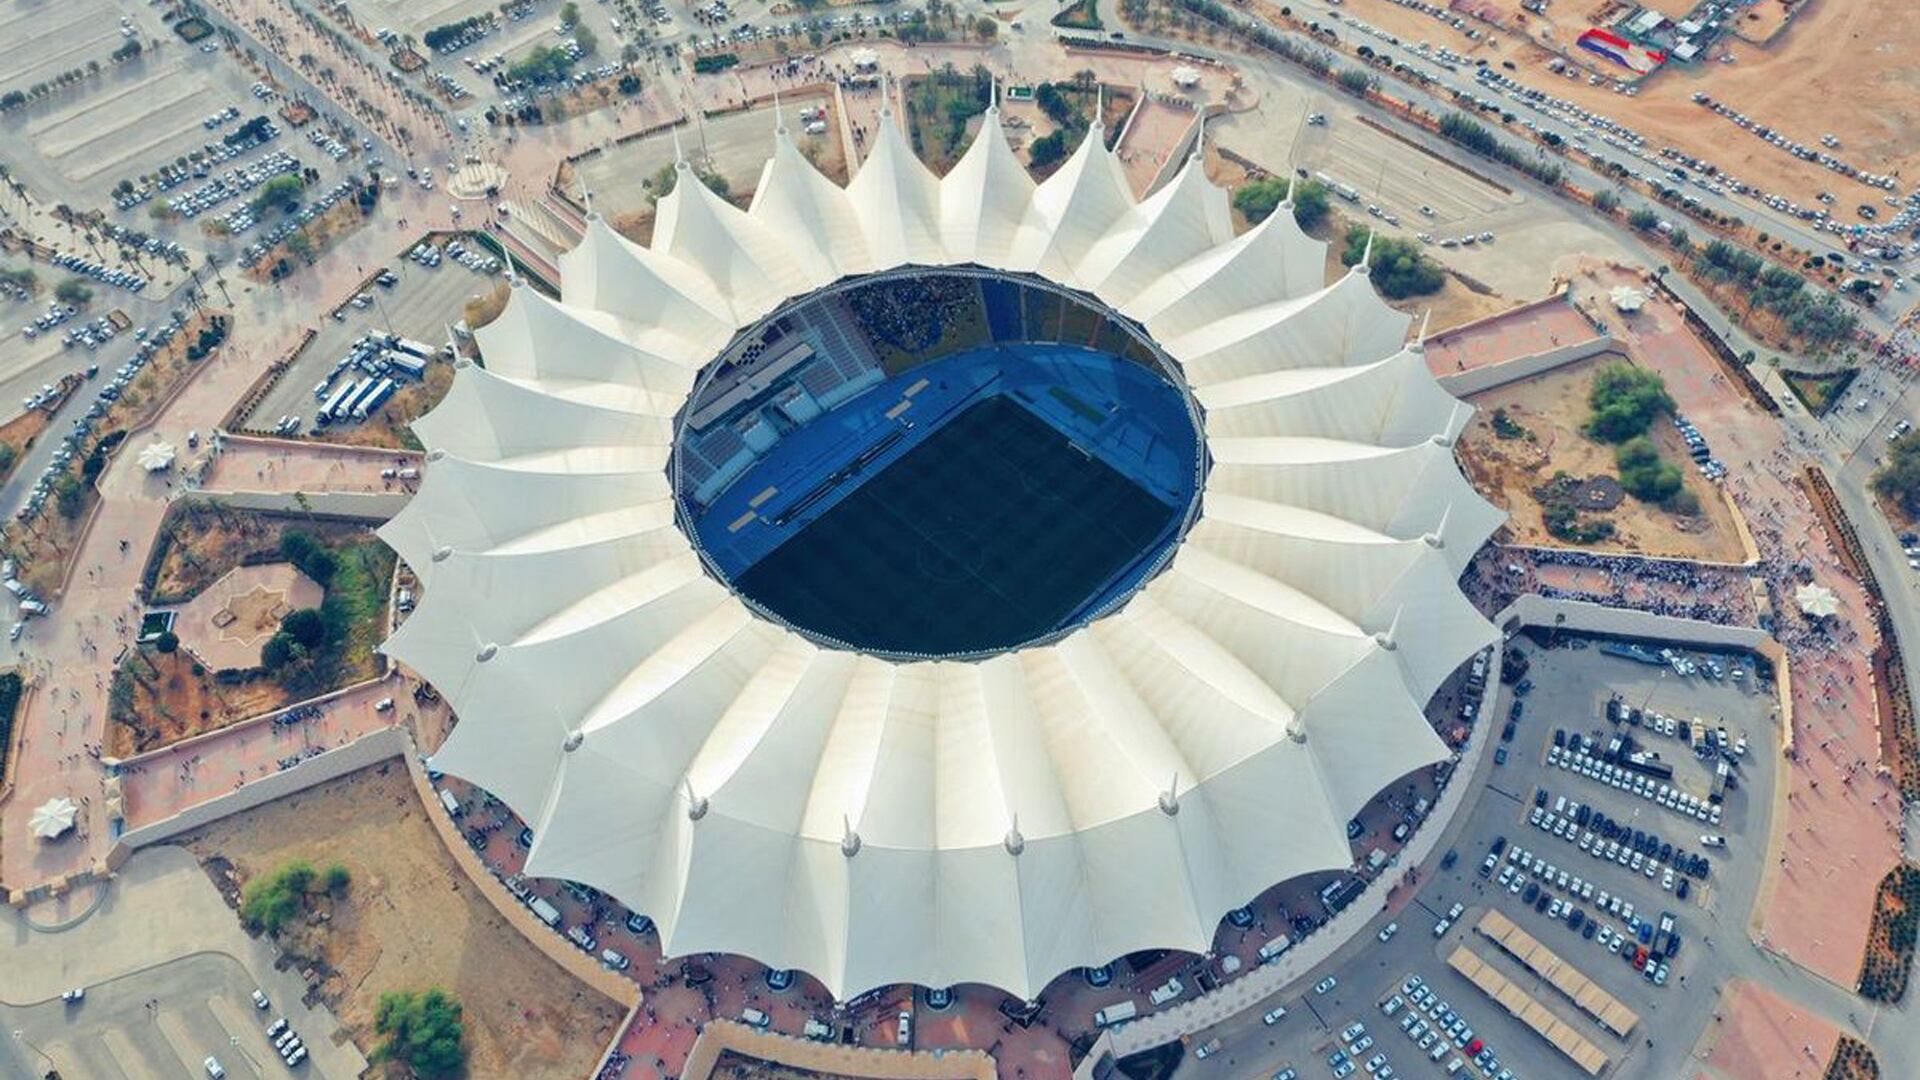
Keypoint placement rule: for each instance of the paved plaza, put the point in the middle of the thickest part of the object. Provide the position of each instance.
(228, 622)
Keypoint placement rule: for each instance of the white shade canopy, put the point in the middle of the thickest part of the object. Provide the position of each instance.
(872, 821)
(1184, 76)
(156, 456)
(52, 818)
(1817, 600)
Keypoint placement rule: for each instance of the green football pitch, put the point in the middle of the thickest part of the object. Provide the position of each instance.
(993, 531)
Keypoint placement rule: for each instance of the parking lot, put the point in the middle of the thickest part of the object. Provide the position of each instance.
(735, 145)
(39, 41)
(421, 305)
(204, 1009)
(169, 145)
(1567, 688)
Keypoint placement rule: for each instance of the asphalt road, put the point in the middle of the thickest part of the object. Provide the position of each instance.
(202, 1009)
(1441, 101)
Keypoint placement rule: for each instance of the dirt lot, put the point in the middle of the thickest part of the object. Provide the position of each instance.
(170, 696)
(413, 920)
(1551, 408)
(1854, 51)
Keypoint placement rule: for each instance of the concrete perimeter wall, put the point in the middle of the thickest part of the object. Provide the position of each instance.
(365, 506)
(331, 765)
(831, 1059)
(1480, 379)
(1591, 618)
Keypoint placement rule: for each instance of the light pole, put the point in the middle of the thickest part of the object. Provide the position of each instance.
(21, 1037)
(234, 1041)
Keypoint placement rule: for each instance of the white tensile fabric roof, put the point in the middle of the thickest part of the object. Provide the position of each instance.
(1000, 821)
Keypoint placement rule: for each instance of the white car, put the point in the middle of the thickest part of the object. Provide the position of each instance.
(1325, 985)
(1387, 931)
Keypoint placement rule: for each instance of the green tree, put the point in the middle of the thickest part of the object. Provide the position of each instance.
(1899, 478)
(423, 1031)
(569, 14)
(1399, 268)
(306, 627)
(1625, 401)
(270, 901)
(311, 557)
(1643, 219)
(1311, 203)
(1356, 80)
(167, 642)
(1048, 149)
(282, 191)
(278, 652)
(1605, 200)
(985, 28)
(1643, 474)
(335, 879)
(1258, 199)
(73, 291)
(69, 495)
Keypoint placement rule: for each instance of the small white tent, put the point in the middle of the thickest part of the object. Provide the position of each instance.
(1817, 601)
(157, 456)
(53, 817)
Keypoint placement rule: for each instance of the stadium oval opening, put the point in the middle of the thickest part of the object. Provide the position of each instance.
(938, 463)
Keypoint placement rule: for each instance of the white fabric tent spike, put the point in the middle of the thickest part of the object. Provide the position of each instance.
(1001, 820)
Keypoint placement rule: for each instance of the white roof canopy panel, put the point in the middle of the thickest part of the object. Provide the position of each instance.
(1000, 820)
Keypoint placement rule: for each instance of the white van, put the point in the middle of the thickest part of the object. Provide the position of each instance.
(814, 1029)
(1114, 1014)
(615, 960)
(754, 1017)
(1272, 949)
(544, 911)
(452, 804)
(1167, 991)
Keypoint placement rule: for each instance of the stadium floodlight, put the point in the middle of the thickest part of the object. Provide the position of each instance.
(1002, 819)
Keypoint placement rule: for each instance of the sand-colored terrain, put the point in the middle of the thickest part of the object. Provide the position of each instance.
(1848, 68)
(412, 920)
(1551, 408)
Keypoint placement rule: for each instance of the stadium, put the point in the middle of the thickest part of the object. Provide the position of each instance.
(942, 580)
